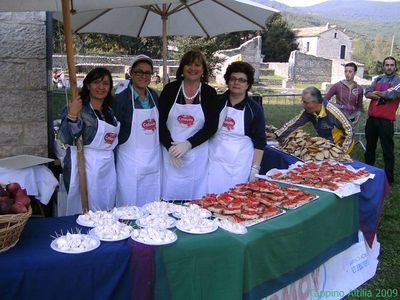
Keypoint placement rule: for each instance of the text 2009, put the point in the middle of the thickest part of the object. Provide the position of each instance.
(386, 293)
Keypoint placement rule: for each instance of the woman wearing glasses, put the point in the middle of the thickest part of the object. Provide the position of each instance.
(237, 148)
(188, 118)
(138, 155)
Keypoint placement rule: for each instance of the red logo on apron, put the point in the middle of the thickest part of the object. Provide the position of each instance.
(229, 123)
(110, 137)
(186, 120)
(149, 125)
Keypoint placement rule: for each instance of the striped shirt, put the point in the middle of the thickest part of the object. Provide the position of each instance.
(331, 123)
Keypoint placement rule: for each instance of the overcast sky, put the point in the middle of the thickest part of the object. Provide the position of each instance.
(312, 2)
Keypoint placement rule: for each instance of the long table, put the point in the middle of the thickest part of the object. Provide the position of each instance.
(218, 265)
(371, 197)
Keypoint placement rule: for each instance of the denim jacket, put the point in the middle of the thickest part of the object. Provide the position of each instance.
(87, 124)
(70, 131)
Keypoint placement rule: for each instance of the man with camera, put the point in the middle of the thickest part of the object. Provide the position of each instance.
(384, 93)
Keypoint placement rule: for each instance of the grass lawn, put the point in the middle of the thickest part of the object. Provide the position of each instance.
(388, 273)
(272, 77)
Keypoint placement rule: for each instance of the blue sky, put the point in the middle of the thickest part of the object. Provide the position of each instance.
(312, 2)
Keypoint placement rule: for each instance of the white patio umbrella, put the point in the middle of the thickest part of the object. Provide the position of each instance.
(192, 17)
(67, 7)
(152, 18)
(75, 5)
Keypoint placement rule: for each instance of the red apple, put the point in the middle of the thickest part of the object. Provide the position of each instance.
(18, 208)
(22, 198)
(5, 205)
(3, 192)
(12, 188)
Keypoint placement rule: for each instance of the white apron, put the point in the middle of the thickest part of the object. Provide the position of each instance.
(230, 153)
(139, 160)
(190, 180)
(100, 171)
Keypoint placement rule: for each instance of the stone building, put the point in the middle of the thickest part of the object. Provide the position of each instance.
(23, 82)
(249, 51)
(308, 68)
(326, 41)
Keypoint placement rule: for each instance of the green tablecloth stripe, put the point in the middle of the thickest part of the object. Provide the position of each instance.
(222, 265)
(272, 286)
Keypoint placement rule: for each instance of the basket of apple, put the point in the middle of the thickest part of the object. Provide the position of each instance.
(15, 210)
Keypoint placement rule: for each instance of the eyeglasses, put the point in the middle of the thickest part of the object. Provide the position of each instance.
(141, 73)
(234, 79)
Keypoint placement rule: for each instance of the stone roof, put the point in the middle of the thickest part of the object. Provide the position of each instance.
(312, 31)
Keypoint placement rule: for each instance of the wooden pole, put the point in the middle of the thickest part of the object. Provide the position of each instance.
(74, 94)
(164, 18)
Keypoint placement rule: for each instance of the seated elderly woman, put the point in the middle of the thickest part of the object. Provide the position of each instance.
(328, 120)
(236, 150)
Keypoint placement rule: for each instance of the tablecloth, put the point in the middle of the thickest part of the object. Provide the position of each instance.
(371, 197)
(273, 254)
(32, 270)
(38, 181)
(218, 265)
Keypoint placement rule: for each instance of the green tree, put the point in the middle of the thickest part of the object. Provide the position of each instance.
(208, 46)
(278, 39)
(234, 39)
(97, 43)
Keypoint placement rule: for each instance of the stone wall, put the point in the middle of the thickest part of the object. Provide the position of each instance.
(115, 63)
(23, 84)
(249, 51)
(280, 68)
(309, 68)
(338, 70)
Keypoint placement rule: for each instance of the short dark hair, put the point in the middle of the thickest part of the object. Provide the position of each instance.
(351, 64)
(96, 73)
(187, 59)
(314, 93)
(240, 67)
(389, 57)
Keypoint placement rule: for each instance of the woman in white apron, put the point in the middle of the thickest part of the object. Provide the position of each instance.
(138, 155)
(188, 118)
(236, 150)
(90, 115)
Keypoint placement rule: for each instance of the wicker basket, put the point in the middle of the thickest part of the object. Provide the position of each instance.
(11, 226)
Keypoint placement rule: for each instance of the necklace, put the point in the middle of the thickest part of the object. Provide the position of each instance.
(190, 99)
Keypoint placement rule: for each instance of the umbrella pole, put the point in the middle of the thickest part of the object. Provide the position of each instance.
(164, 45)
(74, 94)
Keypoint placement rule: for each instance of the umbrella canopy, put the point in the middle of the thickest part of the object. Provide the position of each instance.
(196, 17)
(75, 5)
(192, 17)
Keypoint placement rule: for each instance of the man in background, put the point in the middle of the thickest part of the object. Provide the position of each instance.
(328, 120)
(349, 94)
(385, 98)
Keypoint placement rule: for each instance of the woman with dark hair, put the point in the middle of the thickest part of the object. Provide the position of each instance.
(90, 116)
(138, 155)
(188, 118)
(236, 150)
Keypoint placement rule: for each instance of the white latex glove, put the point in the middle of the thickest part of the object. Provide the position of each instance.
(170, 152)
(180, 148)
(176, 162)
(254, 171)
